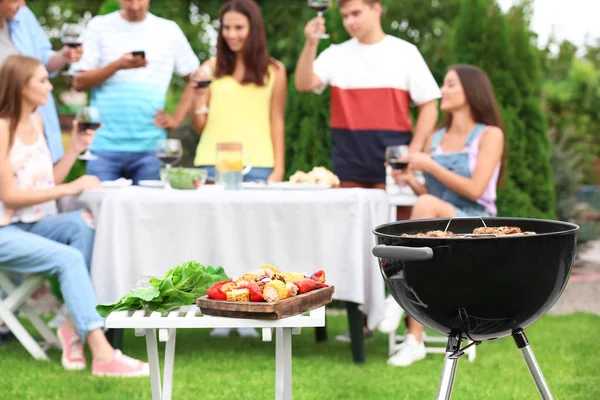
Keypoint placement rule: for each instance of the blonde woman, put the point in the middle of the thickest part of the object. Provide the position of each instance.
(33, 237)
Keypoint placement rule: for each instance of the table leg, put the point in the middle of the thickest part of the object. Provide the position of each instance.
(357, 337)
(115, 338)
(321, 334)
(283, 363)
(169, 366)
(152, 347)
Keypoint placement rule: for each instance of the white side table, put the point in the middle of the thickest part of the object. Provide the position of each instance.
(190, 317)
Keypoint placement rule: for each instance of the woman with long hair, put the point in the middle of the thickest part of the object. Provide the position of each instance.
(462, 165)
(245, 101)
(33, 237)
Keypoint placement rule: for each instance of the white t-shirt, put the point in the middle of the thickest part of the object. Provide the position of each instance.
(129, 98)
(372, 87)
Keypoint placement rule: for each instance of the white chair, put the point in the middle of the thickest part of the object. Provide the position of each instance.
(404, 197)
(394, 340)
(16, 299)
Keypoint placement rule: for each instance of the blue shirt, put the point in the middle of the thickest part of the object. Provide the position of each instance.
(30, 40)
(128, 99)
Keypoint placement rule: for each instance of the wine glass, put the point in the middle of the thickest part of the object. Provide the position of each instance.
(70, 35)
(320, 6)
(88, 118)
(203, 78)
(393, 154)
(168, 152)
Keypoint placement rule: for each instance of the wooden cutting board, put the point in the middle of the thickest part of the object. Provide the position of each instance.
(276, 310)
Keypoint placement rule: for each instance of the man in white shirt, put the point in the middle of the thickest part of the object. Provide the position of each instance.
(374, 77)
(128, 64)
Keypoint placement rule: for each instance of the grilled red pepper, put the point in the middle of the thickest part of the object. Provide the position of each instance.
(318, 276)
(306, 285)
(218, 292)
(256, 292)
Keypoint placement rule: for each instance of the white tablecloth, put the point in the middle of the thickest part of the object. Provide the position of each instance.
(142, 231)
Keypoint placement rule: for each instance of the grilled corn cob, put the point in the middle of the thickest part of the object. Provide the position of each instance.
(292, 276)
(249, 276)
(238, 295)
(270, 267)
(242, 282)
(292, 289)
(275, 291)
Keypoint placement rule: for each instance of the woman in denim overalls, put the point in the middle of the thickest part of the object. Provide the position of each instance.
(462, 164)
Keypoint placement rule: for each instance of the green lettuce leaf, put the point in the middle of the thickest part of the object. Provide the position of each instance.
(180, 286)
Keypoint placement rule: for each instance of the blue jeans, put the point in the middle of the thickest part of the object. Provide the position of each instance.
(112, 165)
(56, 245)
(255, 174)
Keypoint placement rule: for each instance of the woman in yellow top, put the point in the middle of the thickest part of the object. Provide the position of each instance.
(245, 101)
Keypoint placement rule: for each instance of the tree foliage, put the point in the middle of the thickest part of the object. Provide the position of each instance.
(502, 46)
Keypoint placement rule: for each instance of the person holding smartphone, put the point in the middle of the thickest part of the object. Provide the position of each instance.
(130, 58)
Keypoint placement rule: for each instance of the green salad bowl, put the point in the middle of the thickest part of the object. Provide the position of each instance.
(187, 178)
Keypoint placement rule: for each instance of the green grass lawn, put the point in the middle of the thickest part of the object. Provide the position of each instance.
(567, 348)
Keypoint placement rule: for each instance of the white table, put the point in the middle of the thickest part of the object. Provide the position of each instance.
(190, 317)
(142, 231)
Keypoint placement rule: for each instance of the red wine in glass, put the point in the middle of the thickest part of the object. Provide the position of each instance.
(83, 126)
(202, 84)
(318, 8)
(168, 159)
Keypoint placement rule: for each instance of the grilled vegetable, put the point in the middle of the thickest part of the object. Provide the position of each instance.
(275, 291)
(318, 276)
(242, 283)
(292, 289)
(290, 277)
(238, 295)
(270, 268)
(217, 292)
(306, 285)
(256, 292)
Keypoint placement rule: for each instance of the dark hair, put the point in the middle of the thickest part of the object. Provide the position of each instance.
(256, 57)
(15, 74)
(369, 2)
(481, 99)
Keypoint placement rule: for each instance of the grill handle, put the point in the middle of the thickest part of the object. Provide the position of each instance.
(402, 253)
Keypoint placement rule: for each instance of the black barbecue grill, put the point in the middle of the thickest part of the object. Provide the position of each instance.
(477, 287)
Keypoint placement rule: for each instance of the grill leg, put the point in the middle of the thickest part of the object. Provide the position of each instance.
(449, 370)
(534, 369)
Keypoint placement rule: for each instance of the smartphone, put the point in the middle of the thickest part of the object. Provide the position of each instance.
(202, 84)
(139, 53)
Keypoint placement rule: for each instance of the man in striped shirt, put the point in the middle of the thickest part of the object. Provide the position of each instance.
(130, 88)
(374, 77)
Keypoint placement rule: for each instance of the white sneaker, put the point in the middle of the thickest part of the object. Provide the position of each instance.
(391, 317)
(220, 332)
(248, 332)
(408, 352)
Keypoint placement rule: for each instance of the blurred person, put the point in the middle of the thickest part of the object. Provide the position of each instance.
(33, 237)
(374, 77)
(462, 164)
(21, 33)
(128, 64)
(245, 101)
